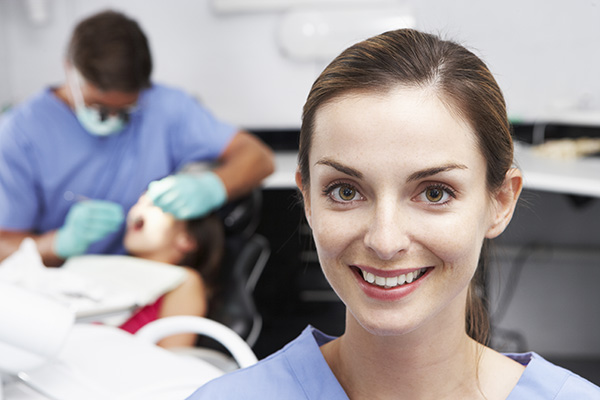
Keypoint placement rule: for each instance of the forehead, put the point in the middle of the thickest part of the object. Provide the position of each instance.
(107, 98)
(411, 126)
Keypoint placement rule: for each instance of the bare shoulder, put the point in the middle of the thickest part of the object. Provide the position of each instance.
(189, 298)
(194, 278)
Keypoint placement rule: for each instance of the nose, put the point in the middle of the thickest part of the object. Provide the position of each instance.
(387, 234)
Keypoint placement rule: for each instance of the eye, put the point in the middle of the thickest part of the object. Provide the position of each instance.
(346, 193)
(436, 194)
(342, 193)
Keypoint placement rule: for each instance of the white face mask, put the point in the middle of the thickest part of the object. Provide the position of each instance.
(91, 118)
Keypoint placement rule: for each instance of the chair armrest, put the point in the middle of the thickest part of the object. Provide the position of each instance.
(163, 327)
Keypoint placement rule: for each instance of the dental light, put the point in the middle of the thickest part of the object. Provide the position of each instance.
(321, 33)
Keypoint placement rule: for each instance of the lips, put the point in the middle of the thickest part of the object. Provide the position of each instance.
(137, 223)
(389, 285)
(393, 281)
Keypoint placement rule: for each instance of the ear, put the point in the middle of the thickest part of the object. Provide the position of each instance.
(67, 66)
(505, 201)
(184, 242)
(305, 197)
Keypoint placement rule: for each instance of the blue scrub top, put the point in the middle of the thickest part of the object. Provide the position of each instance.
(48, 161)
(299, 371)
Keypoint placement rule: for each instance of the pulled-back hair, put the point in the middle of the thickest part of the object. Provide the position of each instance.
(111, 52)
(409, 58)
(209, 234)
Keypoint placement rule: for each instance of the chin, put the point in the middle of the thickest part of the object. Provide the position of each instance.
(132, 246)
(387, 329)
(386, 323)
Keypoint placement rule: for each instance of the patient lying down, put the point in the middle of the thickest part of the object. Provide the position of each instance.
(195, 244)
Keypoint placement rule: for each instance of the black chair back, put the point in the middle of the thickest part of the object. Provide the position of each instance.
(244, 259)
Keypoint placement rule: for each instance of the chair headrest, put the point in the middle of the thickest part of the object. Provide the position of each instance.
(242, 216)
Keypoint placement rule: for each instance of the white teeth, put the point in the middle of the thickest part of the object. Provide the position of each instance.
(401, 279)
(369, 277)
(393, 281)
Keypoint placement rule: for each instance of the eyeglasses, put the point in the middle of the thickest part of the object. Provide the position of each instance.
(103, 112)
(123, 113)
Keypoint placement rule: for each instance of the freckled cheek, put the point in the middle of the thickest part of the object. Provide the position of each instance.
(456, 241)
(333, 232)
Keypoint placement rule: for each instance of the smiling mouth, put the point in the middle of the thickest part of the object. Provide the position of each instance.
(391, 282)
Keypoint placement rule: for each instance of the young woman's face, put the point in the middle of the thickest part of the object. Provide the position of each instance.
(151, 231)
(398, 207)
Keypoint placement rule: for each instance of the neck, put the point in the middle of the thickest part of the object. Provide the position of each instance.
(167, 256)
(436, 364)
(64, 94)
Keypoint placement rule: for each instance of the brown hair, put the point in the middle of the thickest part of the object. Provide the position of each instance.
(410, 58)
(111, 52)
(209, 234)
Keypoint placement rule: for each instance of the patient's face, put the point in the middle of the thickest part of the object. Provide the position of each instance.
(152, 233)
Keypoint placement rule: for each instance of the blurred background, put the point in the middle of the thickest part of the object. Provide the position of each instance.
(229, 52)
(252, 63)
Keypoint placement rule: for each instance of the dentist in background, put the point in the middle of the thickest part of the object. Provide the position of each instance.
(75, 158)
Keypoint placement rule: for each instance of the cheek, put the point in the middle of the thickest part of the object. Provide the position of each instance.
(335, 233)
(455, 239)
(158, 228)
(333, 236)
(327, 241)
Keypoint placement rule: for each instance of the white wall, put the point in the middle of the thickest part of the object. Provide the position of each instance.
(544, 53)
(4, 88)
(231, 62)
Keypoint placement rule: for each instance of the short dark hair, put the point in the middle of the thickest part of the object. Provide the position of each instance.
(111, 51)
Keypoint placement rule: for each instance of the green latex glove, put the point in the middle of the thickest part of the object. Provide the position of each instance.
(188, 196)
(87, 222)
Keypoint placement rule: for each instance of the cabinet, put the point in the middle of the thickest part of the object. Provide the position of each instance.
(292, 291)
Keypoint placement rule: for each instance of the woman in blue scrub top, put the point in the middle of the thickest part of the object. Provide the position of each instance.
(75, 158)
(405, 167)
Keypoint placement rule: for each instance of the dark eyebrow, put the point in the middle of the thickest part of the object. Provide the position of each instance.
(342, 168)
(426, 173)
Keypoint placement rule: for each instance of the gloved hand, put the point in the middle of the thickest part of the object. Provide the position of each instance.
(188, 196)
(87, 222)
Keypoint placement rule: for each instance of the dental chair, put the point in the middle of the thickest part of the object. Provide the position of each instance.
(44, 354)
(245, 256)
(233, 323)
(239, 354)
